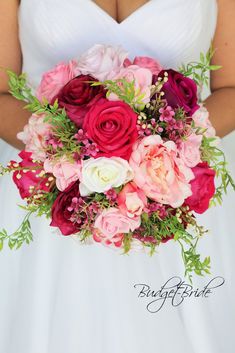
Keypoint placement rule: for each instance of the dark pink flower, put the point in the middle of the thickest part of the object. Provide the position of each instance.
(77, 96)
(30, 178)
(180, 91)
(203, 188)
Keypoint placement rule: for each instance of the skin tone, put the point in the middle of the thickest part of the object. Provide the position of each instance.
(221, 103)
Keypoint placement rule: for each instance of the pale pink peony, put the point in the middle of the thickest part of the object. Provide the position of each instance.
(159, 172)
(145, 62)
(53, 80)
(110, 226)
(35, 136)
(201, 120)
(143, 81)
(132, 201)
(189, 150)
(102, 61)
(64, 171)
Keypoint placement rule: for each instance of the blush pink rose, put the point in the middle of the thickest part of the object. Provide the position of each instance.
(189, 150)
(64, 171)
(142, 78)
(110, 226)
(35, 136)
(201, 120)
(102, 61)
(53, 80)
(159, 172)
(144, 61)
(132, 201)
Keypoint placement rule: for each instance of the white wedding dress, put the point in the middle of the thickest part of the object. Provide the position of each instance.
(57, 296)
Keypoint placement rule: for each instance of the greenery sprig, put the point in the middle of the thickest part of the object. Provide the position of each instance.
(198, 71)
(23, 235)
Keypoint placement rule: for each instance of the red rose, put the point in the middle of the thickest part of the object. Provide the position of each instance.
(203, 188)
(112, 126)
(77, 96)
(28, 180)
(180, 91)
(64, 210)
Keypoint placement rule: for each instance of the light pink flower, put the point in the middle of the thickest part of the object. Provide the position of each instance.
(189, 150)
(53, 80)
(132, 201)
(145, 62)
(35, 136)
(142, 81)
(159, 172)
(201, 120)
(64, 171)
(102, 61)
(110, 226)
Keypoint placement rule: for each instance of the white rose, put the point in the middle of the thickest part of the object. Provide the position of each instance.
(102, 61)
(102, 174)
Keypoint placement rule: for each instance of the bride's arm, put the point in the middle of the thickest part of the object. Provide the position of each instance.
(221, 103)
(12, 116)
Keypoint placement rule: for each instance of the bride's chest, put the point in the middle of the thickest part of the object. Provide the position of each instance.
(173, 30)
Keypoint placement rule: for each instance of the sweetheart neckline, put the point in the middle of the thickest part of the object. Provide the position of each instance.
(128, 18)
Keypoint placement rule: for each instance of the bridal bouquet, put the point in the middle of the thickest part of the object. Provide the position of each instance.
(120, 152)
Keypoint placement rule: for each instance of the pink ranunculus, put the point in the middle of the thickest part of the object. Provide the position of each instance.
(110, 226)
(102, 61)
(159, 172)
(142, 80)
(189, 150)
(64, 171)
(201, 120)
(145, 62)
(35, 136)
(203, 188)
(53, 80)
(31, 177)
(132, 201)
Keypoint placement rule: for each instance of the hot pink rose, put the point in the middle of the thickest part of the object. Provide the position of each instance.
(201, 120)
(112, 126)
(132, 201)
(159, 172)
(142, 78)
(145, 62)
(102, 61)
(31, 179)
(35, 136)
(110, 226)
(64, 171)
(53, 80)
(203, 188)
(189, 150)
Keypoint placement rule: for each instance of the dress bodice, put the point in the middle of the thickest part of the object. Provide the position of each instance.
(173, 31)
